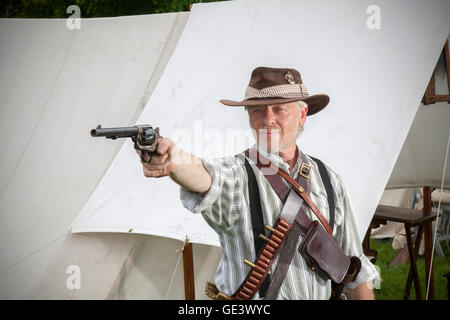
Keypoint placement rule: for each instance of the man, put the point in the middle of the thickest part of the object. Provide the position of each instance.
(278, 104)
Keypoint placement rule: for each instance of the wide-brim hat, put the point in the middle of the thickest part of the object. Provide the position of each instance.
(276, 86)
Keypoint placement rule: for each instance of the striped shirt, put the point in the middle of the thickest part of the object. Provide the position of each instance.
(226, 208)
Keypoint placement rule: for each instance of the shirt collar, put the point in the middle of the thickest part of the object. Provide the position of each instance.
(279, 162)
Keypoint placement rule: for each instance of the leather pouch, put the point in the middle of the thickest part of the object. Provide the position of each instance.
(323, 254)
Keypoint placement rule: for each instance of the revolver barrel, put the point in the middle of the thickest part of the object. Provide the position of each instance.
(114, 133)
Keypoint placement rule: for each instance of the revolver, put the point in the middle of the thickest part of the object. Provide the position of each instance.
(145, 138)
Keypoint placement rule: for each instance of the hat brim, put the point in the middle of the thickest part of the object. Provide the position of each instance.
(315, 102)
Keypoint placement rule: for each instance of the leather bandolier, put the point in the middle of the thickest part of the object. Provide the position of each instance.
(318, 247)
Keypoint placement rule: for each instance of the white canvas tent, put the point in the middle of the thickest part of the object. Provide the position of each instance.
(370, 78)
(55, 84)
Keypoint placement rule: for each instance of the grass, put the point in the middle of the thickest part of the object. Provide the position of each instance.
(394, 278)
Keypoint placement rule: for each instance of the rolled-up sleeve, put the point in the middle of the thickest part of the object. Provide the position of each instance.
(221, 205)
(348, 238)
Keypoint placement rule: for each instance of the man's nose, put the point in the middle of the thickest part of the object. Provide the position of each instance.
(269, 117)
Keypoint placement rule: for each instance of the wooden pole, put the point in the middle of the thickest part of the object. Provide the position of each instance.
(428, 237)
(188, 265)
(447, 65)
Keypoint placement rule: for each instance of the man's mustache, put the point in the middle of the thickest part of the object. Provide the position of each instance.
(269, 129)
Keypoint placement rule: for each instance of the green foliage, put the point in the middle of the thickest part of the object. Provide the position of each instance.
(394, 278)
(91, 8)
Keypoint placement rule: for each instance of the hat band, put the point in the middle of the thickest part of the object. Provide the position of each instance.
(296, 90)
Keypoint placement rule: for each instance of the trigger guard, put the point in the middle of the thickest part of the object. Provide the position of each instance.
(143, 153)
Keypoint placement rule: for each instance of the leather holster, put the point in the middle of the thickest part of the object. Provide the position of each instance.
(323, 254)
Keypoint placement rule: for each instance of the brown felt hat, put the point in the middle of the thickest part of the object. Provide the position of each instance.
(277, 86)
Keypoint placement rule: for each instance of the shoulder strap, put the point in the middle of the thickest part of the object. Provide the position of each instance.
(256, 217)
(302, 193)
(275, 181)
(328, 188)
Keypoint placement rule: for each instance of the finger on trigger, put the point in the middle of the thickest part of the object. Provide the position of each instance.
(158, 159)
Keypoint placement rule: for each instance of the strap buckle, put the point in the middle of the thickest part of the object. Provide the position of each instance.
(305, 170)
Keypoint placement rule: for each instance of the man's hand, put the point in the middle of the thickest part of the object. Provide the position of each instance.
(361, 292)
(185, 169)
(162, 162)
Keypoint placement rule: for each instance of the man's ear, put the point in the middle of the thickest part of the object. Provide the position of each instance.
(303, 114)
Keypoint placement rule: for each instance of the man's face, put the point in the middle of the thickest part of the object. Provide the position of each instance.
(276, 127)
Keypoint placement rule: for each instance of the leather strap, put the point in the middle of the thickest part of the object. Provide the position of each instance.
(287, 251)
(263, 263)
(302, 193)
(328, 188)
(257, 218)
(279, 186)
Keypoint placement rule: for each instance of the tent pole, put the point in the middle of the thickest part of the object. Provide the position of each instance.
(188, 265)
(428, 237)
